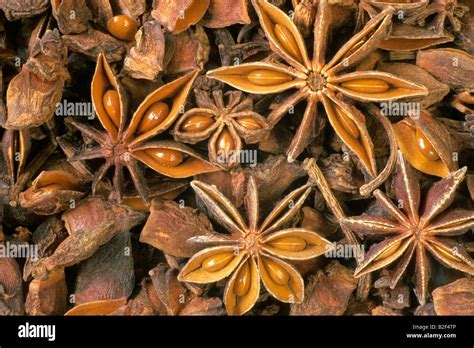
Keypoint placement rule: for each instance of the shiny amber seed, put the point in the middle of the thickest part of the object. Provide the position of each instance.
(166, 157)
(286, 38)
(242, 283)
(111, 101)
(225, 143)
(217, 262)
(196, 123)
(153, 116)
(122, 27)
(346, 122)
(370, 86)
(276, 272)
(263, 77)
(289, 243)
(425, 146)
(248, 123)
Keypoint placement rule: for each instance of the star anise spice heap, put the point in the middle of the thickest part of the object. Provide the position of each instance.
(224, 123)
(317, 81)
(252, 252)
(416, 229)
(125, 144)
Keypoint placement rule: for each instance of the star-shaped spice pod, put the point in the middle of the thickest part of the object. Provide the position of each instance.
(225, 123)
(252, 252)
(126, 143)
(416, 229)
(317, 81)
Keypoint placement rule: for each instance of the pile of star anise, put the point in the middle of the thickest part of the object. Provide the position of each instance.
(260, 157)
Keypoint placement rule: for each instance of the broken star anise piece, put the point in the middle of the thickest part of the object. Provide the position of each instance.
(224, 123)
(252, 252)
(416, 229)
(426, 144)
(317, 81)
(125, 143)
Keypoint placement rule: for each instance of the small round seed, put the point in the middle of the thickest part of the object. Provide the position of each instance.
(166, 157)
(153, 116)
(289, 243)
(196, 123)
(122, 27)
(276, 272)
(111, 101)
(370, 86)
(286, 38)
(242, 283)
(217, 262)
(249, 123)
(263, 77)
(425, 146)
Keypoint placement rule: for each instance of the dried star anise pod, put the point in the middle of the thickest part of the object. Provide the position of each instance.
(16, 9)
(370, 8)
(440, 12)
(178, 15)
(416, 229)
(426, 144)
(126, 143)
(33, 93)
(252, 252)
(317, 81)
(224, 122)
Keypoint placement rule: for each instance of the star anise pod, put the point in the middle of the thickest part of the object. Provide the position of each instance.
(225, 123)
(416, 229)
(126, 143)
(252, 252)
(426, 144)
(317, 81)
(370, 8)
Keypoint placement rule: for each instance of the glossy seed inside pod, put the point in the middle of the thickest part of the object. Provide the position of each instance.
(242, 283)
(196, 123)
(217, 262)
(346, 122)
(248, 123)
(153, 116)
(370, 86)
(289, 243)
(390, 250)
(111, 101)
(264, 77)
(286, 38)
(278, 274)
(122, 27)
(425, 146)
(354, 48)
(166, 157)
(225, 143)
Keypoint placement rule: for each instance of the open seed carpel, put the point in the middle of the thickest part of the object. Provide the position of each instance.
(317, 81)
